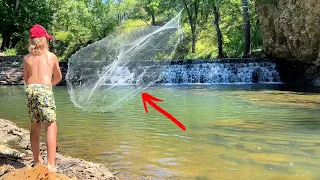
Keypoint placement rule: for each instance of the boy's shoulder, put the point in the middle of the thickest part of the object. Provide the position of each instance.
(52, 55)
(26, 57)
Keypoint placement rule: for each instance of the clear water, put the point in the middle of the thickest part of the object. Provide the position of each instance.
(233, 132)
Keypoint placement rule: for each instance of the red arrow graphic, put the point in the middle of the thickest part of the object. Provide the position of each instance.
(148, 98)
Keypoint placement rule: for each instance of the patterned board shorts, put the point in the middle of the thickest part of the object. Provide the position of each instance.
(41, 104)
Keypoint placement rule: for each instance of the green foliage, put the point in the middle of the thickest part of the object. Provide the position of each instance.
(77, 23)
(22, 46)
(232, 28)
(131, 25)
(18, 16)
(158, 9)
(10, 52)
(63, 43)
(256, 32)
(122, 10)
(231, 25)
(205, 45)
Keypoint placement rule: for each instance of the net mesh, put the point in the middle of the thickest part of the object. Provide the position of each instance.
(106, 74)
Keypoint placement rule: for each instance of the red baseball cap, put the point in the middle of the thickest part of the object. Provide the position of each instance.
(38, 31)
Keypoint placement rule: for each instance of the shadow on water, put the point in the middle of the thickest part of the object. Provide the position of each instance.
(299, 88)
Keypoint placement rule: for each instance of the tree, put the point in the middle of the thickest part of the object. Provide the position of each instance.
(18, 16)
(192, 11)
(246, 28)
(151, 7)
(216, 13)
(155, 10)
(102, 22)
(122, 9)
(78, 23)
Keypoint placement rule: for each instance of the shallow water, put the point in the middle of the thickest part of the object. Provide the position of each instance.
(233, 132)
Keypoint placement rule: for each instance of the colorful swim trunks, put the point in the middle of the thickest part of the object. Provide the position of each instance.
(41, 104)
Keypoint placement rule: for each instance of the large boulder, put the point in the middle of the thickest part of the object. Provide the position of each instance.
(291, 34)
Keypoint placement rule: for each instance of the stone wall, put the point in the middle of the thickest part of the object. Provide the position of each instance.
(11, 72)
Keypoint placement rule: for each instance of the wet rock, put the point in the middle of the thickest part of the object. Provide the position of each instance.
(316, 81)
(6, 151)
(3, 82)
(256, 75)
(16, 132)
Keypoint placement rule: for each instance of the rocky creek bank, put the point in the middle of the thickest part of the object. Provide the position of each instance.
(16, 159)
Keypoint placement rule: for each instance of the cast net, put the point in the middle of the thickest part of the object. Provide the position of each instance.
(104, 75)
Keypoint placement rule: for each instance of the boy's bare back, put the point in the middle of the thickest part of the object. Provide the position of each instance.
(40, 68)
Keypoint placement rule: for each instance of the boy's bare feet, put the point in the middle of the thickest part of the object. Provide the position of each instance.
(39, 162)
(52, 168)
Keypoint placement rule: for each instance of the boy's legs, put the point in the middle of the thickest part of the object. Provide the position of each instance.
(35, 142)
(51, 130)
(42, 109)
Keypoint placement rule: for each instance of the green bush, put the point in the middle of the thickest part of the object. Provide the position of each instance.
(22, 47)
(10, 52)
(62, 44)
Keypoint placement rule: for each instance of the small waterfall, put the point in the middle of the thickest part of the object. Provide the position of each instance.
(227, 71)
(221, 73)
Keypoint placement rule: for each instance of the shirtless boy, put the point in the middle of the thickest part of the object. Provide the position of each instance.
(38, 67)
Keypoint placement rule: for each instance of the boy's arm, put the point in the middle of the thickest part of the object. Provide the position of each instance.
(25, 71)
(57, 76)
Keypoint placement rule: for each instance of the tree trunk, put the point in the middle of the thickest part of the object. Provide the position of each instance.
(14, 41)
(193, 22)
(153, 19)
(246, 28)
(6, 35)
(194, 36)
(194, 39)
(6, 40)
(17, 5)
(219, 34)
